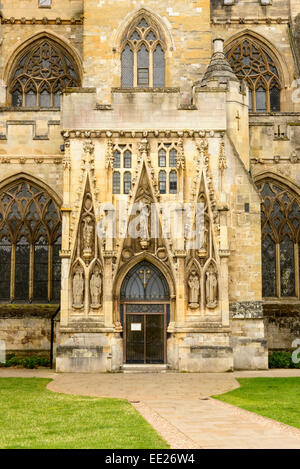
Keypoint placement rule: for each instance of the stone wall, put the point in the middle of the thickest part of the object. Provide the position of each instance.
(282, 325)
(26, 329)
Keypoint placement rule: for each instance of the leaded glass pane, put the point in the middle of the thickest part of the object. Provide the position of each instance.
(30, 99)
(287, 267)
(261, 100)
(40, 290)
(162, 182)
(127, 183)
(143, 66)
(22, 270)
(127, 159)
(5, 266)
(117, 159)
(158, 67)
(127, 67)
(173, 182)
(116, 183)
(162, 158)
(45, 99)
(275, 99)
(268, 267)
(173, 158)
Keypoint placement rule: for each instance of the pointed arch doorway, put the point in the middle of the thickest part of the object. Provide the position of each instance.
(145, 314)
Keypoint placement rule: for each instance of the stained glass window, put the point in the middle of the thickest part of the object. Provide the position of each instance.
(41, 74)
(250, 62)
(30, 226)
(280, 236)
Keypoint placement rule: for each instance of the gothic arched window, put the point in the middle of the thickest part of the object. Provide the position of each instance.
(40, 75)
(250, 62)
(30, 241)
(280, 240)
(143, 57)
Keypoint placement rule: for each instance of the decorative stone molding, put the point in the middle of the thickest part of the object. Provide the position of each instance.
(44, 20)
(246, 310)
(222, 156)
(249, 20)
(146, 133)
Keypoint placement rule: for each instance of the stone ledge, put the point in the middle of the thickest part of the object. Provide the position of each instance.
(25, 311)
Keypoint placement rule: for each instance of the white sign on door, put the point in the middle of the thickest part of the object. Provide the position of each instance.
(136, 326)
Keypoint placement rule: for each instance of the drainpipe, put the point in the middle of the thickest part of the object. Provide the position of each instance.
(52, 336)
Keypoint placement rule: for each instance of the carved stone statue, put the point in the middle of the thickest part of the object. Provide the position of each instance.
(96, 288)
(87, 235)
(211, 288)
(78, 287)
(144, 228)
(194, 289)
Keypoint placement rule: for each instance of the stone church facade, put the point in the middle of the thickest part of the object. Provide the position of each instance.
(150, 182)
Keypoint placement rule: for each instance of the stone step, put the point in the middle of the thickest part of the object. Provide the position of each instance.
(133, 368)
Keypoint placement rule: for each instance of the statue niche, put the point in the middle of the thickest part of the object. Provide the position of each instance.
(194, 289)
(211, 287)
(78, 287)
(96, 288)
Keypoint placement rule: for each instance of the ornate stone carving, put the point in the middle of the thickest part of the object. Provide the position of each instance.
(211, 287)
(194, 289)
(78, 287)
(88, 238)
(180, 155)
(109, 155)
(96, 288)
(222, 156)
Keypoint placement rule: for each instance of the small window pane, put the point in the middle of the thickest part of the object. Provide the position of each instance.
(127, 159)
(268, 267)
(158, 67)
(275, 99)
(162, 182)
(162, 158)
(116, 183)
(22, 270)
(40, 285)
(250, 101)
(127, 183)
(173, 158)
(287, 267)
(17, 99)
(127, 67)
(117, 159)
(143, 66)
(30, 99)
(45, 99)
(261, 100)
(173, 182)
(5, 266)
(57, 99)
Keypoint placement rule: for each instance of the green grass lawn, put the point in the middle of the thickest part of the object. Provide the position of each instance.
(276, 398)
(33, 417)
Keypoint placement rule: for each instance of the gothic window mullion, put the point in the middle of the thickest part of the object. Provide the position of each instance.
(31, 272)
(278, 274)
(151, 71)
(296, 260)
(50, 270)
(135, 69)
(13, 272)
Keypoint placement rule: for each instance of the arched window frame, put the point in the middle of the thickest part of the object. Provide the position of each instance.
(136, 37)
(27, 213)
(268, 78)
(280, 228)
(123, 163)
(20, 74)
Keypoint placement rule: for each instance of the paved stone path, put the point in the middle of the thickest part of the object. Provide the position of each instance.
(178, 406)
